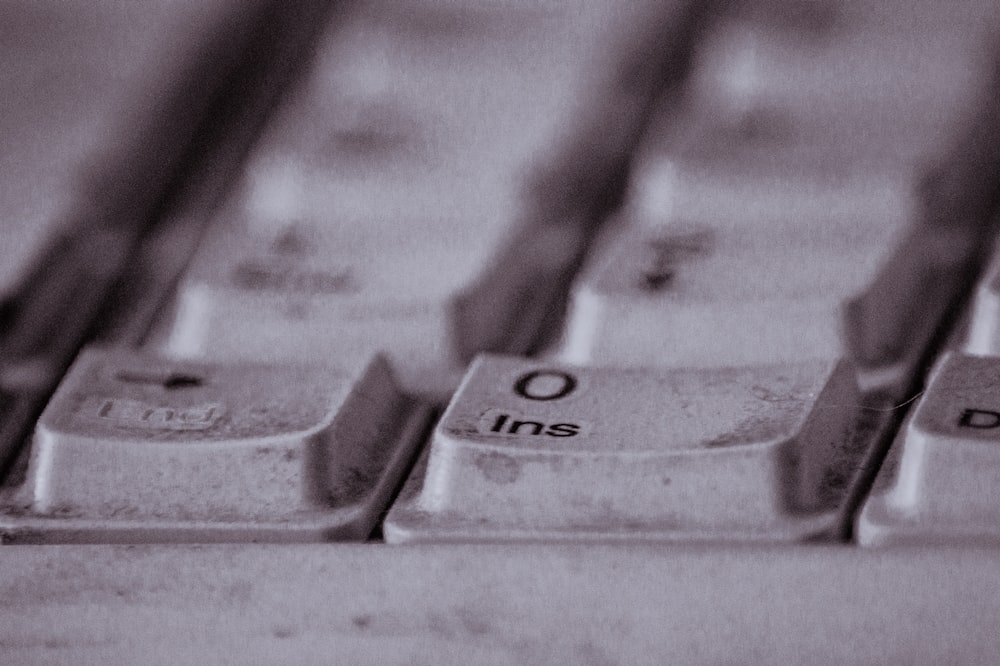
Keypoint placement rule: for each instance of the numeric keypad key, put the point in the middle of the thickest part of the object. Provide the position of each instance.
(552, 451)
(132, 448)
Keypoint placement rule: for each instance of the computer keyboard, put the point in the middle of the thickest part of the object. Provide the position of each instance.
(309, 355)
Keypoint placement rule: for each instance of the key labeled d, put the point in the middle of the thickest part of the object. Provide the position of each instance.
(979, 418)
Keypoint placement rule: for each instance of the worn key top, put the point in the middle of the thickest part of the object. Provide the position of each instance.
(695, 293)
(714, 266)
(105, 106)
(551, 451)
(941, 479)
(133, 448)
(303, 289)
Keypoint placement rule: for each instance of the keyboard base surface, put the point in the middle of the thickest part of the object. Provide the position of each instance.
(532, 603)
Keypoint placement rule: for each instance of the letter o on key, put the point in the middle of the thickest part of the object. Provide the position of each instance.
(545, 385)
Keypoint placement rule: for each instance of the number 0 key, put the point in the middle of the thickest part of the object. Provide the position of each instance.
(548, 451)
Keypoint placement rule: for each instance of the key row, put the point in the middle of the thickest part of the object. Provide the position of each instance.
(135, 448)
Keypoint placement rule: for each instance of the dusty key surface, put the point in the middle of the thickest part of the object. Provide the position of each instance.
(941, 479)
(771, 198)
(134, 448)
(301, 289)
(536, 451)
(700, 292)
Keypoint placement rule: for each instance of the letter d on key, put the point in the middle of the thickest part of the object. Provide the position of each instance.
(979, 418)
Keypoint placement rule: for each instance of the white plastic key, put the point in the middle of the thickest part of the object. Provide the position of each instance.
(941, 481)
(774, 199)
(761, 282)
(103, 105)
(531, 451)
(741, 243)
(135, 449)
(308, 292)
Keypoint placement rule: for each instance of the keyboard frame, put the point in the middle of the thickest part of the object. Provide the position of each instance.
(498, 603)
(593, 603)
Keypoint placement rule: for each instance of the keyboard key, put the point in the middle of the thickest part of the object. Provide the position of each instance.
(941, 478)
(761, 282)
(537, 451)
(104, 106)
(133, 448)
(305, 292)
